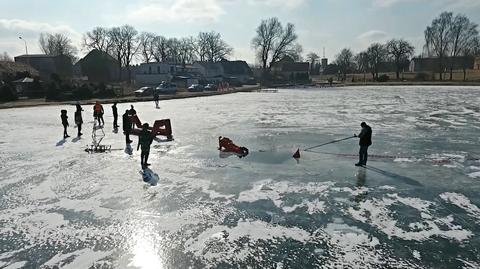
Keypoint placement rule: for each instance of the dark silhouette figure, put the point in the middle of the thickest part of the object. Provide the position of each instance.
(79, 120)
(156, 98)
(98, 113)
(64, 117)
(132, 112)
(115, 115)
(145, 139)
(365, 141)
(127, 127)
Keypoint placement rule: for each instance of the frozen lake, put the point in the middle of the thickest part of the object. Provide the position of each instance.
(416, 206)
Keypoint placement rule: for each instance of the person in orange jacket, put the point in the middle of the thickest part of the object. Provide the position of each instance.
(98, 113)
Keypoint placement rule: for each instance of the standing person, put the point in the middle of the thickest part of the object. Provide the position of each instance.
(98, 113)
(115, 115)
(127, 127)
(365, 141)
(145, 139)
(156, 98)
(79, 120)
(64, 117)
(132, 112)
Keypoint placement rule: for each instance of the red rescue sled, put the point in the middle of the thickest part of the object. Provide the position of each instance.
(160, 127)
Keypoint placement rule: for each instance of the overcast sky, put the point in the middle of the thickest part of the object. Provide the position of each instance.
(333, 24)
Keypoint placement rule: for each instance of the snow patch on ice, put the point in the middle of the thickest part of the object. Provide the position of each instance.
(275, 191)
(375, 212)
(474, 174)
(315, 206)
(83, 258)
(223, 243)
(463, 202)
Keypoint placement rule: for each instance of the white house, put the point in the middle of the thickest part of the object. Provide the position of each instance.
(154, 73)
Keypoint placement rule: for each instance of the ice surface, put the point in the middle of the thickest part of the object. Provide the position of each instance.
(416, 206)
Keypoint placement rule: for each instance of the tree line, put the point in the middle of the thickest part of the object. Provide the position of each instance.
(125, 44)
(447, 36)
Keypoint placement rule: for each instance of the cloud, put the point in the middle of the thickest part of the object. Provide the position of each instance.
(448, 4)
(289, 4)
(373, 36)
(178, 11)
(387, 3)
(29, 28)
(11, 29)
(193, 11)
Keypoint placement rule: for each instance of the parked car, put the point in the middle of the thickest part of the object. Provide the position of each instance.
(195, 88)
(144, 91)
(211, 87)
(166, 88)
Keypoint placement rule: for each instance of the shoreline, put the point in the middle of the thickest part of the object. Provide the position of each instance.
(126, 99)
(182, 95)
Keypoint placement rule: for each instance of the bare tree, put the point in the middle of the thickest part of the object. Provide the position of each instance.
(273, 42)
(130, 40)
(438, 39)
(345, 62)
(117, 47)
(5, 57)
(469, 50)
(267, 33)
(362, 62)
(57, 44)
(173, 45)
(187, 51)
(401, 51)
(312, 57)
(124, 46)
(462, 33)
(146, 46)
(202, 44)
(377, 53)
(286, 46)
(212, 48)
(160, 49)
(98, 38)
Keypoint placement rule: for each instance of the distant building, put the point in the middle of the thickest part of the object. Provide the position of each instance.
(211, 72)
(153, 74)
(97, 66)
(476, 64)
(433, 64)
(290, 69)
(48, 65)
(9, 70)
(236, 72)
(324, 63)
(28, 87)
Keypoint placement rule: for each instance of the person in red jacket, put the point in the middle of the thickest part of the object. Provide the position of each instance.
(98, 113)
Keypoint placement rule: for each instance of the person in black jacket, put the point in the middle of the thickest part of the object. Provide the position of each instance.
(79, 120)
(64, 117)
(115, 115)
(365, 141)
(127, 126)
(145, 139)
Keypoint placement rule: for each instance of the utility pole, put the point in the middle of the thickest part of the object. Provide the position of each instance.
(26, 49)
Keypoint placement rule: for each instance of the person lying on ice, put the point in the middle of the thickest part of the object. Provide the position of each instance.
(64, 117)
(225, 144)
(145, 139)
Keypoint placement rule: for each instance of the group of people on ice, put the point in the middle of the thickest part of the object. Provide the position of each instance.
(145, 137)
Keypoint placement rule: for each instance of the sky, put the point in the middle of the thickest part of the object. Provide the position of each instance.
(329, 24)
